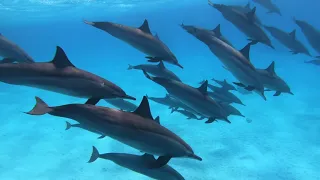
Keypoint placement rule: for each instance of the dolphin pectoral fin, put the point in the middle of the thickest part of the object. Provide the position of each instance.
(294, 52)
(7, 60)
(189, 118)
(153, 59)
(101, 137)
(210, 120)
(160, 162)
(93, 101)
(277, 93)
(239, 84)
(249, 88)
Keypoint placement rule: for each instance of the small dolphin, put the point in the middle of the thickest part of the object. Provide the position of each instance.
(243, 91)
(81, 126)
(186, 113)
(122, 104)
(272, 81)
(138, 164)
(11, 52)
(315, 62)
(195, 98)
(272, 8)
(225, 85)
(231, 110)
(311, 33)
(141, 39)
(222, 95)
(61, 76)
(245, 22)
(237, 62)
(246, 9)
(288, 39)
(137, 129)
(156, 70)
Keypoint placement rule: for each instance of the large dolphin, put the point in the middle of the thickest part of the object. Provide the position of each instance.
(61, 76)
(237, 62)
(138, 164)
(272, 81)
(11, 52)
(315, 62)
(137, 129)
(156, 70)
(195, 98)
(288, 39)
(246, 9)
(225, 85)
(272, 8)
(122, 104)
(311, 33)
(245, 22)
(85, 127)
(141, 39)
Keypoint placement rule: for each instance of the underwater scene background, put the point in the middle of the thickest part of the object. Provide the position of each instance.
(277, 138)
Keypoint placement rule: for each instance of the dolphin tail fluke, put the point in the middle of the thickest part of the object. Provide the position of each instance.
(130, 67)
(40, 108)
(174, 109)
(68, 125)
(95, 155)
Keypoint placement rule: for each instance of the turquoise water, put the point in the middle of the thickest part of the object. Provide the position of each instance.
(281, 142)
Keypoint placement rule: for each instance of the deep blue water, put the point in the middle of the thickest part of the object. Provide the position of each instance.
(281, 142)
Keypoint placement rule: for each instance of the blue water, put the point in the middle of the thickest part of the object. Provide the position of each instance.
(282, 142)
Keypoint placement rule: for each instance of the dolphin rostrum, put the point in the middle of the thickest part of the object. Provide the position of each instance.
(156, 70)
(122, 104)
(141, 39)
(61, 76)
(138, 164)
(137, 129)
(11, 52)
(272, 8)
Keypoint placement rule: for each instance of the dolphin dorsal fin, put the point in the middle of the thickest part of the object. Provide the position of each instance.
(246, 51)
(217, 30)
(157, 119)
(204, 87)
(144, 109)
(145, 27)
(248, 5)
(251, 14)
(61, 60)
(161, 65)
(293, 34)
(270, 69)
(148, 157)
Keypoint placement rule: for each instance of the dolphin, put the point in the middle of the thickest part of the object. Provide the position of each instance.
(137, 129)
(311, 33)
(237, 62)
(245, 22)
(186, 113)
(138, 164)
(82, 126)
(272, 81)
(224, 84)
(288, 39)
(11, 52)
(231, 110)
(122, 104)
(195, 98)
(246, 9)
(156, 70)
(243, 91)
(315, 62)
(141, 39)
(272, 8)
(220, 94)
(61, 76)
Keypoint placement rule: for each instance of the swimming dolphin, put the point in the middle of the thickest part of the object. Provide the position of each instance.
(224, 84)
(122, 104)
(156, 70)
(272, 81)
(222, 95)
(315, 62)
(237, 62)
(245, 22)
(272, 8)
(243, 91)
(246, 9)
(138, 164)
(231, 110)
(137, 129)
(11, 52)
(61, 76)
(81, 126)
(288, 39)
(311, 33)
(186, 113)
(141, 39)
(195, 98)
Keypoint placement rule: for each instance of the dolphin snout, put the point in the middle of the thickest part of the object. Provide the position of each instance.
(179, 65)
(129, 97)
(193, 156)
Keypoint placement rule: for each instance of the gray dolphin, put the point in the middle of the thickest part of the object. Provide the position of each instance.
(61, 76)
(225, 85)
(245, 22)
(186, 113)
(272, 81)
(195, 98)
(311, 33)
(315, 62)
(141, 39)
(138, 164)
(156, 70)
(122, 104)
(136, 129)
(11, 52)
(220, 94)
(246, 9)
(272, 8)
(82, 126)
(237, 62)
(231, 110)
(288, 39)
